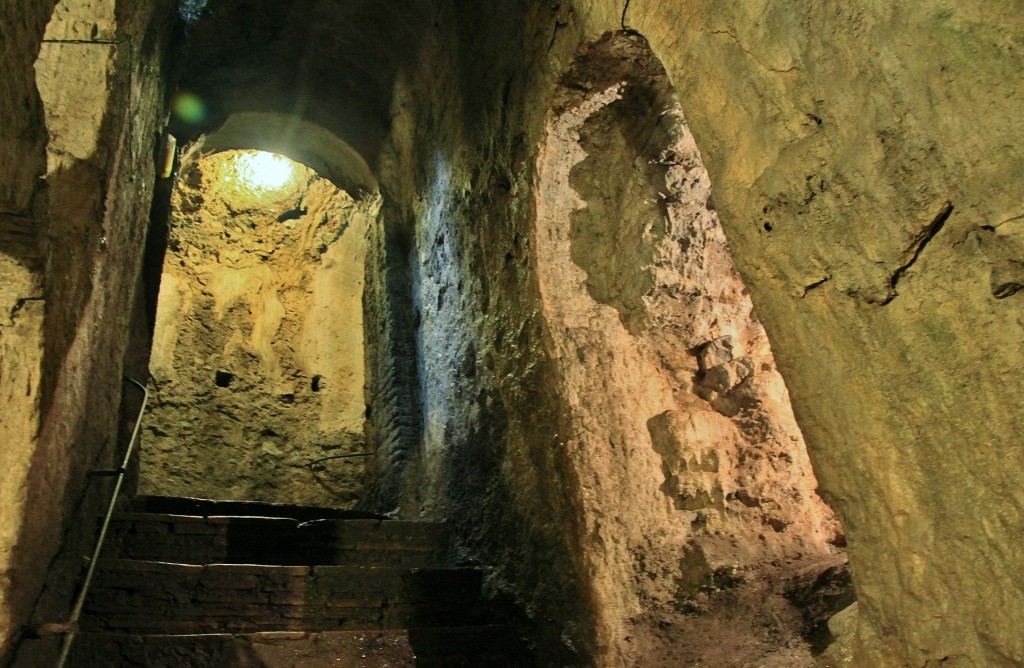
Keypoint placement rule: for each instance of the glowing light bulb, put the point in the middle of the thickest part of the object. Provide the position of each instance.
(265, 171)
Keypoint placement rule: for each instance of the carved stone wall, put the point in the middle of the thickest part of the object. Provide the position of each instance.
(258, 359)
(865, 163)
(69, 259)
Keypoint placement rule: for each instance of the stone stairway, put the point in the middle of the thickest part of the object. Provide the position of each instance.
(206, 584)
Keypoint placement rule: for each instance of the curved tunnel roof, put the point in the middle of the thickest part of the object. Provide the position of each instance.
(328, 62)
(300, 140)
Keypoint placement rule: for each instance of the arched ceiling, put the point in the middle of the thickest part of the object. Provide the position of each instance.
(297, 139)
(331, 62)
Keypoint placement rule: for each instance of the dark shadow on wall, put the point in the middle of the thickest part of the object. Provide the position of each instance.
(93, 240)
(86, 442)
(19, 240)
(506, 496)
(394, 416)
(76, 437)
(143, 318)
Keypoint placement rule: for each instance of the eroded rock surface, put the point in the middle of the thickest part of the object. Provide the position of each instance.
(862, 160)
(603, 419)
(866, 161)
(258, 352)
(676, 420)
(83, 84)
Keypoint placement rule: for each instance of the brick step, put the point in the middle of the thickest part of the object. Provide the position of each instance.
(177, 505)
(164, 598)
(278, 541)
(495, 646)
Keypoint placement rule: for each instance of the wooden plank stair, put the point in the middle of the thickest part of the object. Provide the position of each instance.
(206, 584)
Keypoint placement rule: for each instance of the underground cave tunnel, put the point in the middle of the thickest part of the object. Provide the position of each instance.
(562, 372)
(262, 292)
(322, 341)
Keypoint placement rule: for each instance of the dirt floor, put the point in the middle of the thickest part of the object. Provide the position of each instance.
(776, 622)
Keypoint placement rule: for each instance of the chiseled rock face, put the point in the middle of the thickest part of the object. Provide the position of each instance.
(674, 418)
(258, 350)
(69, 260)
(866, 163)
(22, 162)
(602, 417)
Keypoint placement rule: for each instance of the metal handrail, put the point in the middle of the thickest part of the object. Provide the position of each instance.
(71, 627)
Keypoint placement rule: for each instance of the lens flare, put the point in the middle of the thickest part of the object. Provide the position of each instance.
(189, 108)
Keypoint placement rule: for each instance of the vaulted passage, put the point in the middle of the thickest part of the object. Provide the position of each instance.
(578, 333)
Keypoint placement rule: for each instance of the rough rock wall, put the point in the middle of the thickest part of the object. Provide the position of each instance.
(99, 76)
(866, 163)
(23, 134)
(22, 162)
(692, 468)
(393, 391)
(258, 354)
(453, 174)
(601, 415)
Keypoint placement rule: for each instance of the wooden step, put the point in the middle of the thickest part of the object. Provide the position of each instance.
(201, 583)
(278, 540)
(177, 505)
(494, 646)
(163, 598)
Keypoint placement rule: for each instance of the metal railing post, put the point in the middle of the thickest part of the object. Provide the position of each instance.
(76, 612)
